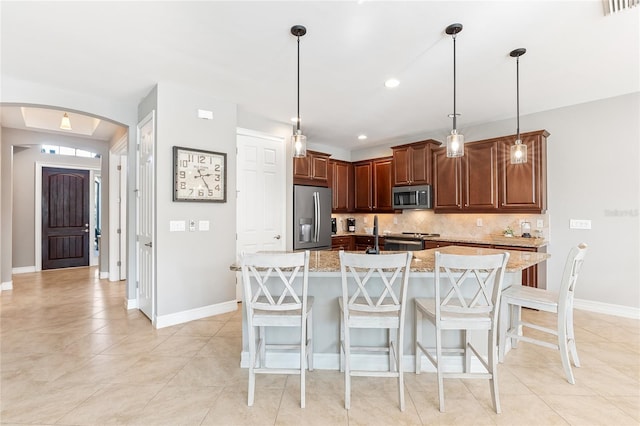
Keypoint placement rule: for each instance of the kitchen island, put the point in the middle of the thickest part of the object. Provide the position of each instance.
(325, 286)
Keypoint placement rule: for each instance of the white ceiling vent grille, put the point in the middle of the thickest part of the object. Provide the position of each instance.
(614, 6)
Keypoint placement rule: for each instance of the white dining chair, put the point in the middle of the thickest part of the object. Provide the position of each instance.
(271, 300)
(374, 294)
(467, 296)
(559, 303)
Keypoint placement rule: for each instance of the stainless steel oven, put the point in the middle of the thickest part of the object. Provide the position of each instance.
(407, 241)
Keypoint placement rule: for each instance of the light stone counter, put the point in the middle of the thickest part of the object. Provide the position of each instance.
(423, 260)
(325, 286)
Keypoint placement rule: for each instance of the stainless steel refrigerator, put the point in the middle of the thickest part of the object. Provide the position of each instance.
(311, 218)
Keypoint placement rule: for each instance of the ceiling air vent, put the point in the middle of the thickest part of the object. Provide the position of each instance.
(614, 6)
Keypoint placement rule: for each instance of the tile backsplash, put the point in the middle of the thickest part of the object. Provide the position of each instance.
(449, 225)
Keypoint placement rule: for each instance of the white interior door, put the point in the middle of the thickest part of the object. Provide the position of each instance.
(144, 216)
(261, 199)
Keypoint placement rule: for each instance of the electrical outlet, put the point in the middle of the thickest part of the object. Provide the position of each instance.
(365, 220)
(395, 220)
(478, 222)
(579, 224)
(540, 223)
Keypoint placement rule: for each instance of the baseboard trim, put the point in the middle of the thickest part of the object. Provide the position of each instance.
(23, 269)
(195, 314)
(104, 275)
(130, 304)
(607, 308)
(8, 285)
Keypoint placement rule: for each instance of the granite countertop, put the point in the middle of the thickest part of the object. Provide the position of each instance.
(488, 239)
(493, 240)
(424, 260)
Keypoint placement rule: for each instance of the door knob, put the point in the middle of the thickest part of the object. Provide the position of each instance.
(149, 244)
(277, 237)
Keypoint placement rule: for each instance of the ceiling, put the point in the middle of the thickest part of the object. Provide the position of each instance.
(243, 52)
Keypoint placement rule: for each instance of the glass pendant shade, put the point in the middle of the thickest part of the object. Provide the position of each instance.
(299, 144)
(518, 152)
(298, 140)
(455, 141)
(518, 149)
(65, 124)
(455, 144)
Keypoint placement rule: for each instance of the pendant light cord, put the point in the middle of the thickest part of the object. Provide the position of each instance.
(518, 98)
(298, 121)
(454, 82)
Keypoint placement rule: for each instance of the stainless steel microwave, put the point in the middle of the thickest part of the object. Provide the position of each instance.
(412, 197)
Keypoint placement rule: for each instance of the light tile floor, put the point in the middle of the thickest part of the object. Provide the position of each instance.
(72, 355)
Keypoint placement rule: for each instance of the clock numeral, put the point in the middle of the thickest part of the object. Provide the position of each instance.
(217, 167)
(200, 192)
(216, 178)
(217, 187)
(184, 163)
(210, 193)
(191, 191)
(183, 174)
(183, 185)
(201, 159)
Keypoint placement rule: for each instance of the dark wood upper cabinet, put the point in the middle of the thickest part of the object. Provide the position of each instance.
(480, 183)
(447, 182)
(412, 163)
(341, 182)
(484, 180)
(363, 180)
(312, 169)
(523, 187)
(373, 182)
(382, 179)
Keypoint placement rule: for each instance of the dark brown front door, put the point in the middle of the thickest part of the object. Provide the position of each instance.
(65, 218)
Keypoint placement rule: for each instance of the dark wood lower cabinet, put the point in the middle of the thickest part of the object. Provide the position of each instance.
(534, 276)
(342, 242)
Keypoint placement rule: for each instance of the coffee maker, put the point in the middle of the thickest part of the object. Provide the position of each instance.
(351, 224)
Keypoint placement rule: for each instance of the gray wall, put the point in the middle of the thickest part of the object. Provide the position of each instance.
(193, 267)
(592, 156)
(26, 152)
(593, 173)
(21, 92)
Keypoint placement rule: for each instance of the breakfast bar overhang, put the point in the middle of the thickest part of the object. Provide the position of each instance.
(325, 286)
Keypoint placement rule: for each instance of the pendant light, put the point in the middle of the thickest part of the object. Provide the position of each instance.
(455, 141)
(518, 150)
(298, 140)
(65, 124)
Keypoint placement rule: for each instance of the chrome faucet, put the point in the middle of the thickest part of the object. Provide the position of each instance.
(376, 248)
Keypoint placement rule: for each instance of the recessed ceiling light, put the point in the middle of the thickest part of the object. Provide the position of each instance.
(362, 137)
(391, 83)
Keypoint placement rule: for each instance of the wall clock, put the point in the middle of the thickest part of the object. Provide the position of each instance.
(199, 175)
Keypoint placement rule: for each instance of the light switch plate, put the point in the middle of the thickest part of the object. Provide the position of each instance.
(540, 223)
(203, 225)
(478, 222)
(177, 226)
